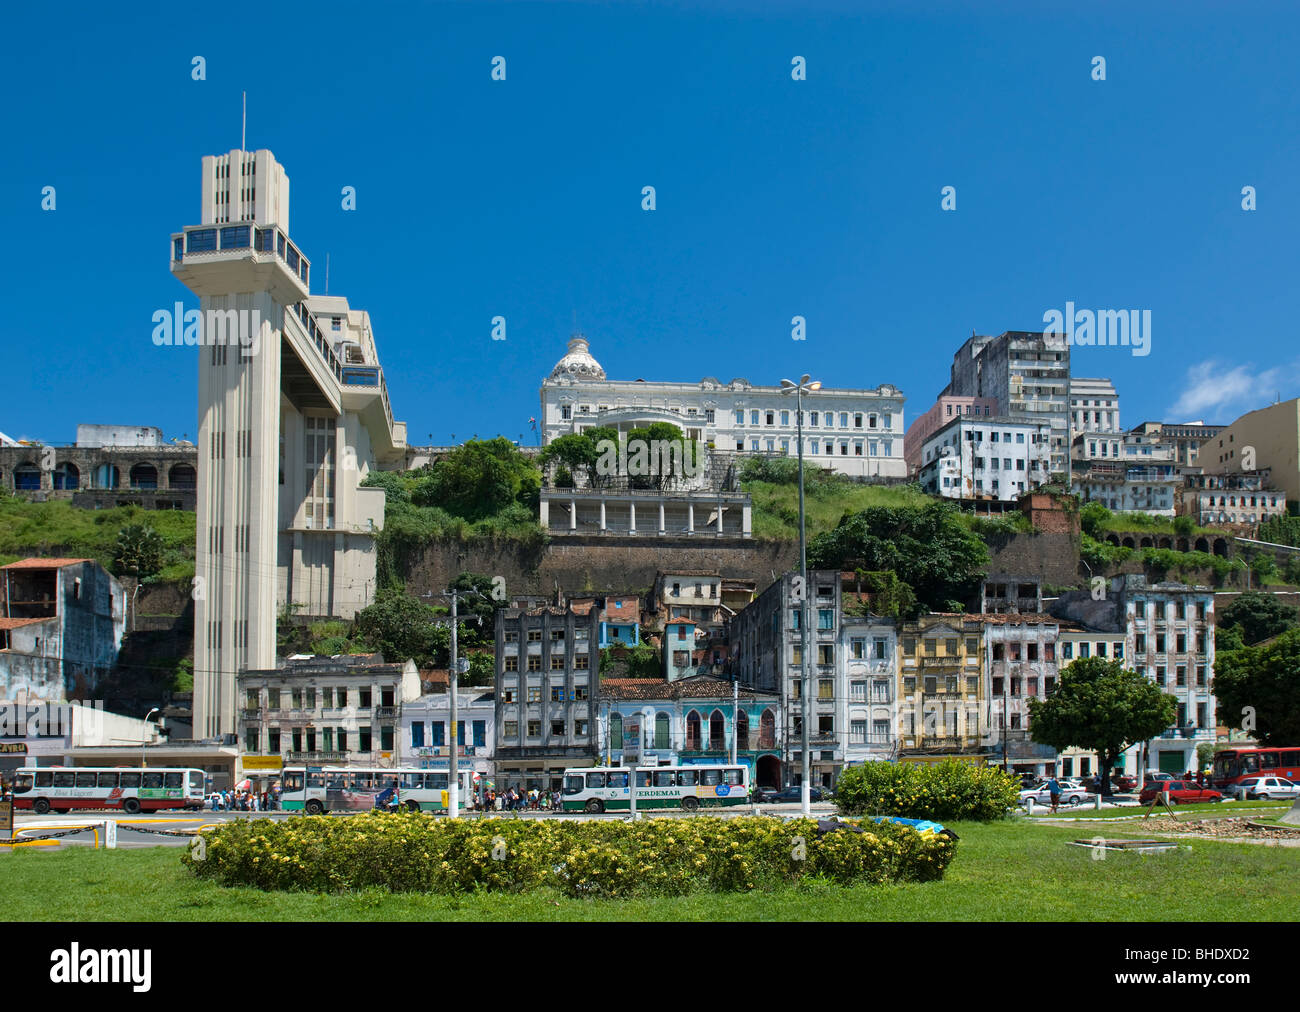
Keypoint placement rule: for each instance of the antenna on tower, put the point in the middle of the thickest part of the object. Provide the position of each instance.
(243, 123)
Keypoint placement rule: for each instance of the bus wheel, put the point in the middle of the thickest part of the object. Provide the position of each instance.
(314, 808)
(690, 804)
(131, 806)
(40, 806)
(413, 806)
(595, 806)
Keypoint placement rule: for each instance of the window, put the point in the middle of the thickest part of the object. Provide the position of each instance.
(512, 664)
(557, 728)
(534, 662)
(825, 618)
(825, 688)
(534, 636)
(580, 662)
(557, 693)
(557, 662)
(858, 691)
(511, 728)
(534, 729)
(534, 693)
(826, 653)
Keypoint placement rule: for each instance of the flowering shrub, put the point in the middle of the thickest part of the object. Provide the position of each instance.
(415, 852)
(946, 791)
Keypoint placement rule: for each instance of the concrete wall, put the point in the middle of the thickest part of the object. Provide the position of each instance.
(577, 563)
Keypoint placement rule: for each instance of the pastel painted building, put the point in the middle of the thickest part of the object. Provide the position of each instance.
(695, 720)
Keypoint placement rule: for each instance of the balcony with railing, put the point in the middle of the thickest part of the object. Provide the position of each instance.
(316, 757)
(199, 242)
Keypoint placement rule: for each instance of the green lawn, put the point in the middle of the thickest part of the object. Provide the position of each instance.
(776, 506)
(1013, 870)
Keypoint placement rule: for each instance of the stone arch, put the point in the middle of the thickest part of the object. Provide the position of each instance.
(1181, 544)
(1146, 543)
(1202, 545)
(183, 477)
(1113, 539)
(27, 477)
(742, 731)
(144, 476)
(1164, 541)
(105, 476)
(67, 477)
(1221, 547)
(767, 729)
(1128, 542)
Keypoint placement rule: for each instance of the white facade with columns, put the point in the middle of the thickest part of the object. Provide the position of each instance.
(854, 432)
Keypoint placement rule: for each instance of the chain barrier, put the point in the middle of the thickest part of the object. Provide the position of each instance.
(157, 832)
(53, 836)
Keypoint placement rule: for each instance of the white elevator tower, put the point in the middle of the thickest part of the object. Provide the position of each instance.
(293, 413)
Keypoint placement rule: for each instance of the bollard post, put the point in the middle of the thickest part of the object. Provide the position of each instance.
(1029, 806)
(110, 834)
(1097, 802)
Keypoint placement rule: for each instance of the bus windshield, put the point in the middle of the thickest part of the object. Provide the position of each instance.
(573, 785)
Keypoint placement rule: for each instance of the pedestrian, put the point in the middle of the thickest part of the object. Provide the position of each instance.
(1054, 792)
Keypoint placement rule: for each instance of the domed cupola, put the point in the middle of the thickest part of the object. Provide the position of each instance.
(577, 363)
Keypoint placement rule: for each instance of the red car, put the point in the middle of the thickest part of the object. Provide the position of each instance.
(1181, 792)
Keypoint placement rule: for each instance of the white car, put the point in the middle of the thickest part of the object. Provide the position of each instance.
(1266, 788)
(1072, 793)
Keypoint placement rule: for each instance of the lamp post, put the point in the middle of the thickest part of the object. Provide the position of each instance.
(143, 736)
(790, 387)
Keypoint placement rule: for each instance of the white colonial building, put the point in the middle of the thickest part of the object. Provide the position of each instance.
(972, 457)
(854, 432)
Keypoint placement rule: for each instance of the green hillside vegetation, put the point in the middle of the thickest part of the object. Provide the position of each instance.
(485, 489)
(773, 485)
(60, 529)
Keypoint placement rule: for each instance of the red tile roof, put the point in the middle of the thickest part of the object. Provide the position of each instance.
(44, 563)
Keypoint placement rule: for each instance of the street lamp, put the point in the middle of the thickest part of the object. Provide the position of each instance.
(143, 736)
(790, 387)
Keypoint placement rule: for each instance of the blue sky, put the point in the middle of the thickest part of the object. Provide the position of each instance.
(775, 198)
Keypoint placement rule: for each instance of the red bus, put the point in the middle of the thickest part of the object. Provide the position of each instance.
(1235, 764)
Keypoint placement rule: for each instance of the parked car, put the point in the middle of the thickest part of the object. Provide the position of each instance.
(1072, 793)
(1181, 792)
(794, 795)
(1156, 777)
(1123, 783)
(1264, 788)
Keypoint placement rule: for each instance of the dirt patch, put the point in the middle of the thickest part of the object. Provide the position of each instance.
(1230, 830)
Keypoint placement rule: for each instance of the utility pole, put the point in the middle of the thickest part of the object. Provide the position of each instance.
(735, 715)
(453, 684)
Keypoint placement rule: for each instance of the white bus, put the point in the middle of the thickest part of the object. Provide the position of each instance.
(360, 788)
(598, 789)
(126, 788)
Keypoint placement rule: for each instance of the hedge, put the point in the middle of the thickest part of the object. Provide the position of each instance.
(417, 852)
(948, 791)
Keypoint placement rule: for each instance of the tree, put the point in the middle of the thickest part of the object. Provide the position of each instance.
(1092, 519)
(1260, 616)
(139, 551)
(1184, 525)
(479, 480)
(1283, 530)
(927, 546)
(1101, 706)
(482, 669)
(401, 628)
(1257, 687)
(889, 596)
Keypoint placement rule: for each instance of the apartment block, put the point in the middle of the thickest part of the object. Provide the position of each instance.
(547, 676)
(941, 694)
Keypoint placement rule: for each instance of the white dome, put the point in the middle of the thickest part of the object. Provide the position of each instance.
(577, 363)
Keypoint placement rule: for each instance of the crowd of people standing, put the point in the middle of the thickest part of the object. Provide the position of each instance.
(514, 799)
(245, 801)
